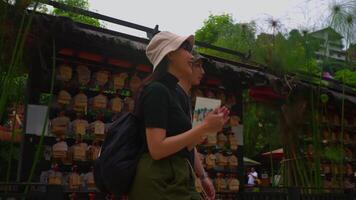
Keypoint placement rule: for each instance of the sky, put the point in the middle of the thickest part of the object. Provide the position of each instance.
(186, 16)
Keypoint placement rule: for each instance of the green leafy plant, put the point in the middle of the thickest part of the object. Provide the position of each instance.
(83, 4)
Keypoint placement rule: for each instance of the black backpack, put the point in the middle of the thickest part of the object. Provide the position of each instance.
(115, 168)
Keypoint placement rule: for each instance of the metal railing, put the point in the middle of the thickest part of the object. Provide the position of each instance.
(38, 191)
(56, 192)
(295, 193)
(150, 32)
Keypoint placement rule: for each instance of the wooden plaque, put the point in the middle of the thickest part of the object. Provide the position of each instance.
(64, 98)
(221, 160)
(116, 104)
(233, 142)
(232, 161)
(74, 181)
(54, 178)
(81, 102)
(130, 104)
(234, 184)
(79, 152)
(83, 74)
(100, 102)
(101, 77)
(59, 150)
(211, 139)
(93, 152)
(222, 139)
(99, 128)
(119, 80)
(90, 180)
(64, 73)
(135, 83)
(210, 161)
(60, 125)
(220, 184)
(80, 126)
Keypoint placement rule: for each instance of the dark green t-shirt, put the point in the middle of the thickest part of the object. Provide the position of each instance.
(161, 109)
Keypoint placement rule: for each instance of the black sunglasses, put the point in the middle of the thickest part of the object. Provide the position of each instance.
(186, 46)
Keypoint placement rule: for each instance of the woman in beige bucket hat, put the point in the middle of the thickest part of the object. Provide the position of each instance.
(164, 171)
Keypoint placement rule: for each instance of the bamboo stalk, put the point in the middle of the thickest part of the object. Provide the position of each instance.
(44, 128)
(16, 58)
(8, 171)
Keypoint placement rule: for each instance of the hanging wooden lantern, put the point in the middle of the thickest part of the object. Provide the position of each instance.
(115, 105)
(80, 102)
(64, 98)
(100, 102)
(118, 81)
(64, 73)
(101, 77)
(83, 75)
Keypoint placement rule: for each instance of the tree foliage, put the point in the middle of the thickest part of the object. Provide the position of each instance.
(280, 53)
(261, 128)
(347, 76)
(83, 4)
(220, 30)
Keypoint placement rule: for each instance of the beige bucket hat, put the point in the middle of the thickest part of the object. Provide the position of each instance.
(163, 43)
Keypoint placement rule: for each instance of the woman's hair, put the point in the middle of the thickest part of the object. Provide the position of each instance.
(159, 72)
(162, 67)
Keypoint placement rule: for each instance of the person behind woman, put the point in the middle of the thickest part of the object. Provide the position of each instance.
(163, 171)
(184, 90)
